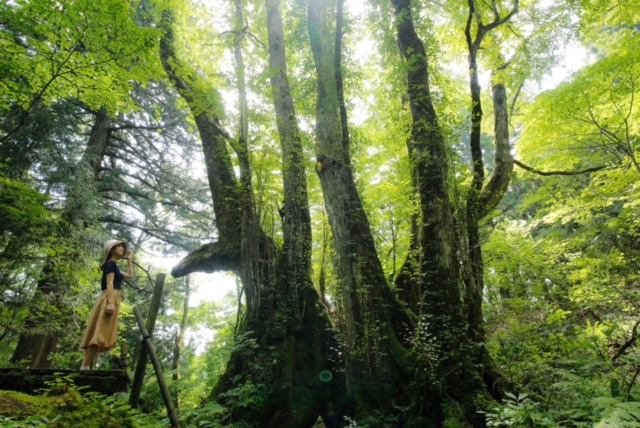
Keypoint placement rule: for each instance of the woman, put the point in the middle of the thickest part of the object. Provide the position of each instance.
(102, 329)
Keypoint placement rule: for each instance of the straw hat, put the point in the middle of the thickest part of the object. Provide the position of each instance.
(108, 246)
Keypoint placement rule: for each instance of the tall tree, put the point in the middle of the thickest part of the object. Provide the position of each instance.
(484, 195)
(285, 335)
(372, 348)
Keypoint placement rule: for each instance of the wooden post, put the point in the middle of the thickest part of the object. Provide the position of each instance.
(179, 342)
(158, 369)
(138, 377)
(123, 356)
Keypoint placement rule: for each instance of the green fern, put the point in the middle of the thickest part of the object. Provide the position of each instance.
(617, 414)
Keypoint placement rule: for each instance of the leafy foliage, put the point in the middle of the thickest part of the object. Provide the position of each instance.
(87, 50)
(63, 405)
(561, 253)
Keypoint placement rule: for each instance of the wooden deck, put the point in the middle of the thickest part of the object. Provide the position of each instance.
(29, 381)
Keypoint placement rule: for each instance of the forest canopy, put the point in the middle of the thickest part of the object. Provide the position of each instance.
(430, 208)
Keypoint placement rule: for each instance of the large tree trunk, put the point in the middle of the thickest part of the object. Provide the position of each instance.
(285, 339)
(313, 341)
(34, 346)
(376, 362)
(442, 343)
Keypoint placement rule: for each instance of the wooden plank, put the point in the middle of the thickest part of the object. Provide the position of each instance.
(138, 377)
(171, 412)
(30, 381)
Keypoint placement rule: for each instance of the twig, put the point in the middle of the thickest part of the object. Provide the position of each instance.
(628, 343)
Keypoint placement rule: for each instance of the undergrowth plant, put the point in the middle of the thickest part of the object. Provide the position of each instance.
(62, 404)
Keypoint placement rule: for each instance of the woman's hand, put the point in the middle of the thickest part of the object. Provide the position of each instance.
(129, 273)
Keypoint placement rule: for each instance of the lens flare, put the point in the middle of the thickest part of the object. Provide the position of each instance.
(326, 376)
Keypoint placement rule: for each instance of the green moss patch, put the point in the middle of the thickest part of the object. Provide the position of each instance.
(70, 409)
(16, 404)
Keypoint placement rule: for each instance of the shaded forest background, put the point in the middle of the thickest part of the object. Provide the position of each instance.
(427, 227)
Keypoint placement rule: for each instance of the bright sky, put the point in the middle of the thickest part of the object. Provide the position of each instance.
(206, 286)
(211, 286)
(573, 59)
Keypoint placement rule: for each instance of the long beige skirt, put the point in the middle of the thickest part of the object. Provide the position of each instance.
(102, 329)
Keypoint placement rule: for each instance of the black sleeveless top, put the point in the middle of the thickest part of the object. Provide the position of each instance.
(111, 267)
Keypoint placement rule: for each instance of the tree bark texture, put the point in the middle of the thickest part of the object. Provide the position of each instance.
(375, 359)
(285, 341)
(441, 341)
(483, 196)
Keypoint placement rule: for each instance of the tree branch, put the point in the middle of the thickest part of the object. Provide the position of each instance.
(498, 22)
(128, 125)
(548, 173)
(628, 343)
(495, 188)
(38, 97)
(148, 231)
(211, 257)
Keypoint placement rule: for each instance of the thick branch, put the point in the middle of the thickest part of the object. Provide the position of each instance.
(222, 180)
(497, 185)
(296, 224)
(548, 173)
(498, 22)
(482, 200)
(212, 257)
(241, 147)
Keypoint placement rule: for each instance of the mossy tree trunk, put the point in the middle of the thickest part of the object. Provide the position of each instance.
(484, 194)
(450, 335)
(441, 358)
(376, 361)
(285, 340)
(284, 337)
(442, 368)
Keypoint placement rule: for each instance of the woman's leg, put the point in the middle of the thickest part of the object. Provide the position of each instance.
(89, 355)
